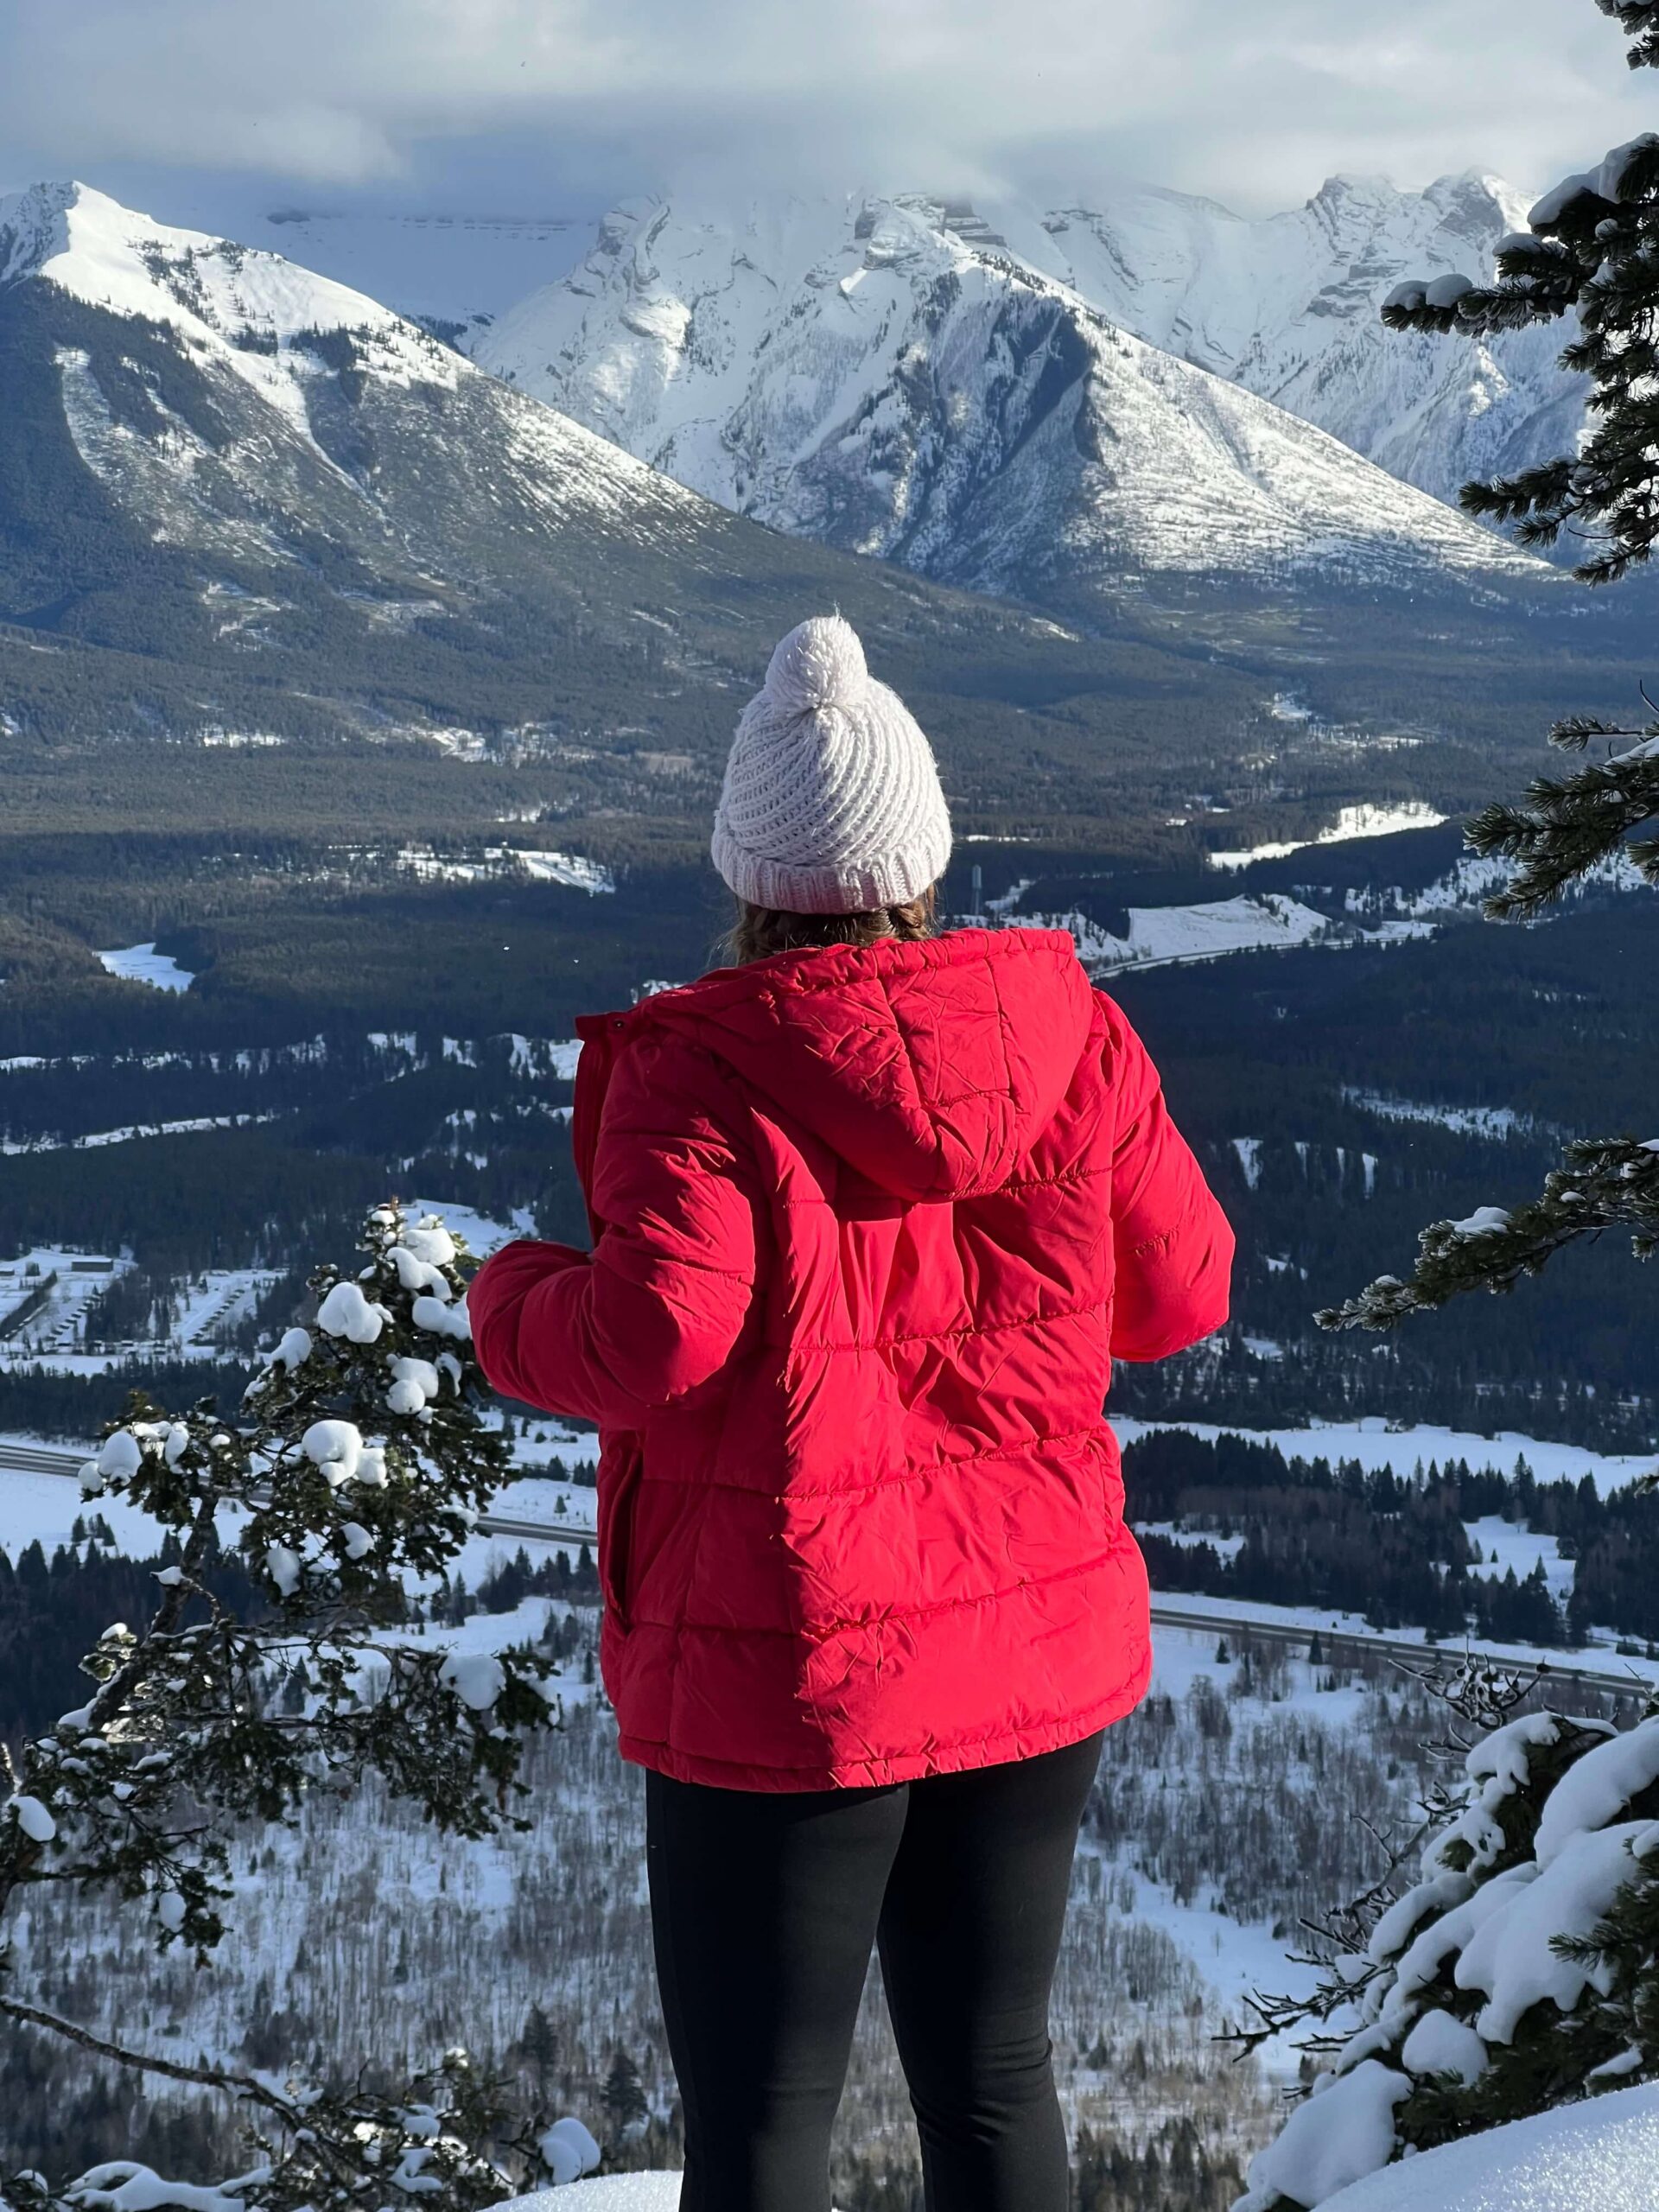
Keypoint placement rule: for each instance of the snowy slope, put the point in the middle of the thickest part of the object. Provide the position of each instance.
(1287, 305)
(604, 2193)
(242, 314)
(1600, 2156)
(888, 376)
(214, 293)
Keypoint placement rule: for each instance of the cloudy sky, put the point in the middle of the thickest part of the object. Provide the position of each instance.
(540, 105)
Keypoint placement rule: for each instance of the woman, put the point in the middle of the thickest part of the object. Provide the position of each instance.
(873, 1210)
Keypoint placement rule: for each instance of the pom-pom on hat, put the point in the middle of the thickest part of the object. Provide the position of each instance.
(831, 803)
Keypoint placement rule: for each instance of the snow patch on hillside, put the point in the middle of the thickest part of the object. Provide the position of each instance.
(1165, 937)
(1352, 821)
(142, 963)
(1497, 1122)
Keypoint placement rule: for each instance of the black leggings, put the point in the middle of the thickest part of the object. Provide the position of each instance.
(764, 1908)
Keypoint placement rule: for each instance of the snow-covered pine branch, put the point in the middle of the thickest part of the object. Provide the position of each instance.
(357, 1460)
(1640, 20)
(1520, 1971)
(1592, 245)
(1570, 824)
(1606, 1183)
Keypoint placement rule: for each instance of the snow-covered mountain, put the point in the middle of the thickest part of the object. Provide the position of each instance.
(1287, 305)
(310, 357)
(236, 496)
(447, 267)
(893, 377)
(1284, 304)
(243, 504)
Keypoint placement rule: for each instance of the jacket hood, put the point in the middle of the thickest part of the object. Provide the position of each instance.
(928, 1067)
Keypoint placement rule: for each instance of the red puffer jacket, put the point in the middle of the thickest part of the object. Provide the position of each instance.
(870, 1225)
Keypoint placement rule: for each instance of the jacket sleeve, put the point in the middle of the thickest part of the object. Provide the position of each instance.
(658, 1305)
(1173, 1244)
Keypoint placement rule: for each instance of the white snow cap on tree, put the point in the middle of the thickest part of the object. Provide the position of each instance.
(831, 803)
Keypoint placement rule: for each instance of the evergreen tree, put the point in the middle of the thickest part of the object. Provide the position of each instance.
(1518, 1971)
(1591, 249)
(539, 2043)
(358, 1457)
(623, 2096)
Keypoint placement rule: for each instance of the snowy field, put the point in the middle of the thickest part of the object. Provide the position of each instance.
(192, 1125)
(142, 963)
(1376, 1443)
(1351, 822)
(1602, 2157)
(1498, 1123)
(1174, 936)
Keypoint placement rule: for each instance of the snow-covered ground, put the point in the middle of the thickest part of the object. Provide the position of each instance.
(603, 2193)
(44, 1510)
(573, 870)
(483, 1234)
(1470, 880)
(50, 1334)
(190, 1126)
(1599, 2157)
(1497, 1122)
(1503, 1546)
(44, 1293)
(1167, 936)
(1362, 821)
(1376, 1443)
(142, 963)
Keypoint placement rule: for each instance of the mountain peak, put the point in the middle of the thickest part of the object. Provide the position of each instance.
(111, 256)
(1345, 185)
(887, 372)
(34, 226)
(247, 305)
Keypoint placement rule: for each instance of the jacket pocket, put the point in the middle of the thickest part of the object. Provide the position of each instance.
(618, 1483)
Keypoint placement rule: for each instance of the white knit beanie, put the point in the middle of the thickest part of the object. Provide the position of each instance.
(831, 803)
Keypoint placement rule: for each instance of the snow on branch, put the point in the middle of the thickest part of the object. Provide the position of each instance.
(1606, 1183)
(357, 1461)
(1639, 20)
(1515, 1971)
(1592, 246)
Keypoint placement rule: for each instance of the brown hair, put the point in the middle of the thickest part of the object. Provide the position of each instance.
(759, 930)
